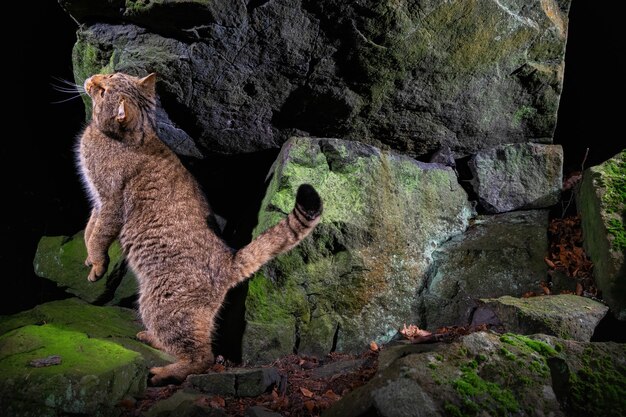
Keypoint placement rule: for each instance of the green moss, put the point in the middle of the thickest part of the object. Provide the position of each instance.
(524, 112)
(478, 394)
(80, 354)
(507, 354)
(452, 410)
(613, 179)
(599, 387)
(538, 346)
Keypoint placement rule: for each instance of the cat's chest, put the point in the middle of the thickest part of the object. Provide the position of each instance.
(101, 167)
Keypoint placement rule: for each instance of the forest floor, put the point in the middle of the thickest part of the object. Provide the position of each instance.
(303, 391)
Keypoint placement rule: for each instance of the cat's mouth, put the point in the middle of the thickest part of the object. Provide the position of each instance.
(92, 87)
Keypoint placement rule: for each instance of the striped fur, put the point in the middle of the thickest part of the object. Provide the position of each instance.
(142, 194)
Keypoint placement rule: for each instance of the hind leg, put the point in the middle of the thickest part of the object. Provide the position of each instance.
(149, 339)
(190, 342)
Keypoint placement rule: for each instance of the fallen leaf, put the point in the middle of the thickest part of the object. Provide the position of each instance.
(374, 346)
(310, 405)
(529, 294)
(306, 392)
(579, 288)
(330, 394)
(412, 331)
(217, 402)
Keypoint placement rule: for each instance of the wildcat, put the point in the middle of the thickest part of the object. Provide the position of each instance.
(141, 193)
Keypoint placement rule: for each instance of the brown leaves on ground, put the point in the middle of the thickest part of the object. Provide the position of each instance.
(567, 256)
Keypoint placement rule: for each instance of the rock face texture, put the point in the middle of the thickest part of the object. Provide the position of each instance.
(357, 278)
(497, 255)
(566, 316)
(602, 206)
(490, 374)
(242, 76)
(521, 176)
(61, 259)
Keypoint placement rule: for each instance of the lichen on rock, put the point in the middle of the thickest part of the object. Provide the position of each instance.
(357, 277)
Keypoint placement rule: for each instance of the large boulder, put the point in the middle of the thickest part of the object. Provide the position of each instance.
(415, 76)
(69, 357)
(61, 259)
(501, 254)
(357, 278)
(486, 374)
(567, 316)
(517, 176)
(601, 202)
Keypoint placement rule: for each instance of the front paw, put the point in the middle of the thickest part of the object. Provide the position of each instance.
(98, 269)
(88, 262)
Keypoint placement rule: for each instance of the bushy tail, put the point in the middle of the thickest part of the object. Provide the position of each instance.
(279, 239)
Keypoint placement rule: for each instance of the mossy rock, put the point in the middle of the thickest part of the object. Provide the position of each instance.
(101, 362)
(356, 278)
(601, 202)
(61, 259)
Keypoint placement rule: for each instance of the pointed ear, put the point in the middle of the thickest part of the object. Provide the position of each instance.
(148, 82)
(121, 112)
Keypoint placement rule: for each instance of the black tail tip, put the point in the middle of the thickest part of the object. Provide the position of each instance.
(309, 201)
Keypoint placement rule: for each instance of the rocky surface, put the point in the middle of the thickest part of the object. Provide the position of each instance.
(497, 255)
(61, 259)
(416, 76)
(356, 278)
(601, 202)
(490, 374)
(242, 382)
(68, 357)
(520, 176)
(566, 316)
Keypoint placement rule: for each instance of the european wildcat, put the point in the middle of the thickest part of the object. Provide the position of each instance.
(142, 193)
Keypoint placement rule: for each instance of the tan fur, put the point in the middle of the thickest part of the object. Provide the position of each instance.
(143, 195)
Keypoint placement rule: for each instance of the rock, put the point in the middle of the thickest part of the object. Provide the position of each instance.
(483, 372)
(412, 76)
(566, 316)
(601, 202)
(498, 255)
(100, 363)
(520, 176)
(490, 374)
(337, 368)
(258, 411)
(356, 279)
(241, 382)
(61, 259)
(184, 403)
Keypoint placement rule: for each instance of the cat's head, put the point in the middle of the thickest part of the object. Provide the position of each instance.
(122, 103)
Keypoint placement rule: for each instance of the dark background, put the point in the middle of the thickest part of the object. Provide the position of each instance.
(43, 196)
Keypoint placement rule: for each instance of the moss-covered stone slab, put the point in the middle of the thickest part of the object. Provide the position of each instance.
(101, 362)
(499, 254)
(518, 176)
(93, 375)
(601, 202)
(482, 374)
(116, 324)
(488, 374)
(357, 277)
(61, 259)
(414, 76)
(566, 316)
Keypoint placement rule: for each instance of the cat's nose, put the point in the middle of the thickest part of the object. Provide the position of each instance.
(88, 84)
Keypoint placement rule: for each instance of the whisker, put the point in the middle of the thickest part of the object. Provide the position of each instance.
(69, 86)
(67, 99)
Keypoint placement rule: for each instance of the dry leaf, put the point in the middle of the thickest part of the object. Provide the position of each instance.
(310, 405)
(529, 294)
(306, 392)
(330, 394)
(374, 346)
(413, 332)
(579, 288)
(217, 402)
